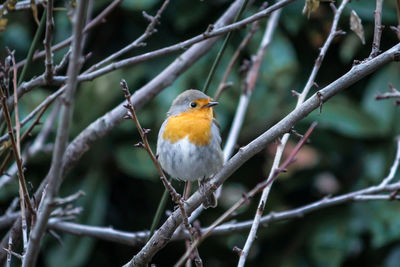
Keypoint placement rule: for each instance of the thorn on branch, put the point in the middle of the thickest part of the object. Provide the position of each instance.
(127, 116)
(147, 16)
(295, 93)
(293, 131)
(139, 144)
(316, 86)
(340, 32)
(146, 131)
(238, 250)
(333, 7)
(321, 101)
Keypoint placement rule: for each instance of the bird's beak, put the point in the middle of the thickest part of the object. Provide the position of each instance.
(211, 103)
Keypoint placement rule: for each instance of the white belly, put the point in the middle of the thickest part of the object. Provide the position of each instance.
(185, 161)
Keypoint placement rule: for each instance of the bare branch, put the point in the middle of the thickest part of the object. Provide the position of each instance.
(394, 167)
(246, 197)
(143, 134)
(281, 147)
(47, 41)
(162, 236)
(377, 30)
(151, 28)
(394, 93)
(95, 22)
(183, 45)
(55, 173)
(223, 83)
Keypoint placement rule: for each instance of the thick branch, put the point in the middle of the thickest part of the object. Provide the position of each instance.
(162, 236)
(55, 174)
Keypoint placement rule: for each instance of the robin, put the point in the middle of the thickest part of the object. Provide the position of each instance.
(189, 143)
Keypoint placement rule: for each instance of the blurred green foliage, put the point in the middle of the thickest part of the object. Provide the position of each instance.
(353, 142)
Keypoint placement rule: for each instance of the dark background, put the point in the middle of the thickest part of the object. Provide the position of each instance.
(352, 148)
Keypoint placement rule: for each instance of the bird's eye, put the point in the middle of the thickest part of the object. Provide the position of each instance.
(193, 104)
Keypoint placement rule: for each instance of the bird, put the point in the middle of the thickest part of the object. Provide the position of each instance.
(189, 141)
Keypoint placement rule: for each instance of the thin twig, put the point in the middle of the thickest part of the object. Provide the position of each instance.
(47, 42)
(55, 173)
(39, 109)
(164, 233)
(185, 44)
(150, 29)
(394, 93)
(245, 96)
(8, 264)
(6, 180)
(24, 224)
(136, 239)
(246, 39)
(32, 48)
(145, 144)
(98, 129)
(377, 29)
(21, 176)
(222, 49)
(247, 196)
(394, 167)
(281, 147)
(95, 22)
(69, 199)
(37, 146)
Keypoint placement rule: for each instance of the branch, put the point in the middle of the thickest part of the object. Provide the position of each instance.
(223, 84)
(138, 238)
(281, 147)
(245, 198)
(245, 96)
(164, 233)
(17, 157)
(145, 144)
(183, 45)
(103, 125)
(150, 29)
(55, 173)
(95, 22)
(47, 41)
(377, 30)
(394, 93)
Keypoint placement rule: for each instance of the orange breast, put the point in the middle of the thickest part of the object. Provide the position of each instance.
(196, 125)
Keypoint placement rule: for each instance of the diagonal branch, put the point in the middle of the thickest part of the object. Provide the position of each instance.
(164, 233)
(103, 125)
(245, 198)
(281, 147)
(47, 41)
(377, 29)
(55, 174)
